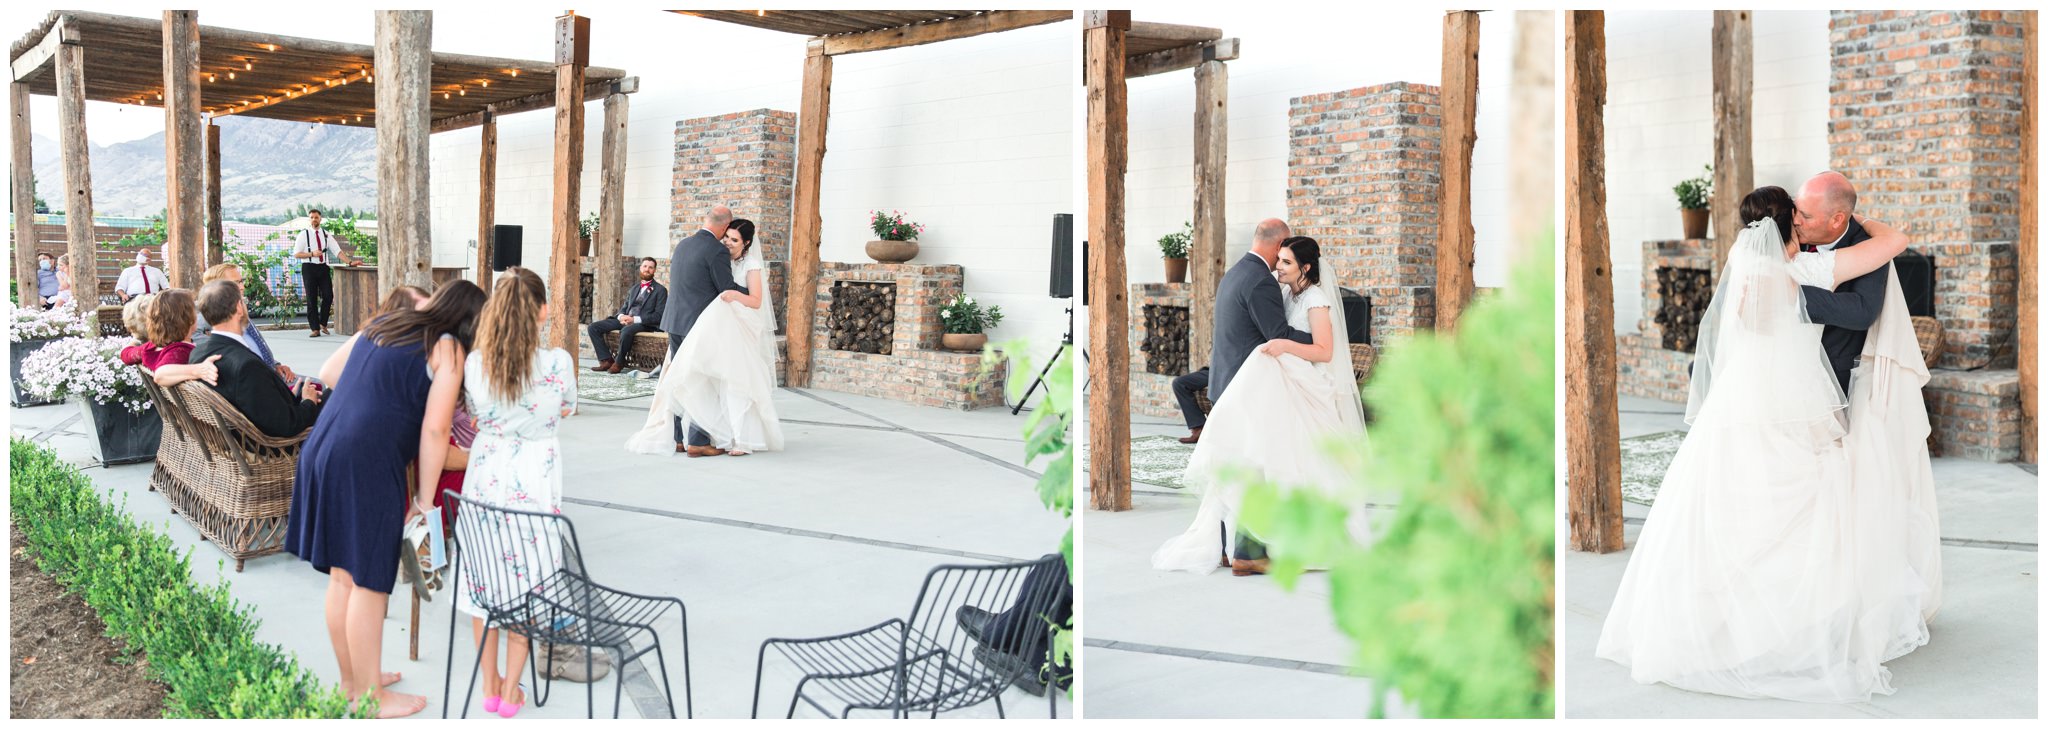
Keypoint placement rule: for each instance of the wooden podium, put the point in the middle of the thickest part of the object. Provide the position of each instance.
(356, 297)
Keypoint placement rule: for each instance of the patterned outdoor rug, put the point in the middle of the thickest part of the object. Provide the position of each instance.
(603, 387)
(1643, 461)
(1159, 460)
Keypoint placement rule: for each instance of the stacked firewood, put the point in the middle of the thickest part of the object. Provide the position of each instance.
(1685, 293)
(1166, 339)
(863, 317)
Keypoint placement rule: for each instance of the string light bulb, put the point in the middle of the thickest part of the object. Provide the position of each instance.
(248, 66)
(231, 75)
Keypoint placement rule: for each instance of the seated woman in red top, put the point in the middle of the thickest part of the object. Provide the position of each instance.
(168, 320)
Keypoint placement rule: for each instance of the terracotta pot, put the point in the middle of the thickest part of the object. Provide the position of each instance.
(1695, 222)
(892, 251)
(964, 342)
(1176, 270)
(586, 246)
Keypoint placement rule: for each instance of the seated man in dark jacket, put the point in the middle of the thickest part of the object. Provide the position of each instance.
(641, 312)
(256, 390)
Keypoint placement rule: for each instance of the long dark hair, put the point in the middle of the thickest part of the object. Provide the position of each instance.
(1769, 201)
(1308, 256)
(510, 331)
(452, 310)
(402, 298)
(746, 229)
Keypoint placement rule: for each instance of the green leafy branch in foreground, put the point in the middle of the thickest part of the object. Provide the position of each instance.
(1046, 433)
(1449, 598)
(198, 640)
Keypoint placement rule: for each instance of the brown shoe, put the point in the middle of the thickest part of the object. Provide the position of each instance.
(604, 366)
(1247, 567)
(701, 451)
(680, 448)
(616, 367)
(1194, 436)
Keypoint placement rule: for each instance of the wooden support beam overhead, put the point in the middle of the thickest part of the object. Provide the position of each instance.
(85, 278)
(535, 102)
(216, 234)
(813, 112)
(1592, 420)
(1109, 363)
(404, 208)
(31, 62)
(1184, 57)
(565, 282)
(1172, 32)
(1734, 174)
(184, 153)
(22, 183)
(2029, 247)
(994, 21)
(1206, 249)
(486, 201)
(1454, 255)
(611, 211)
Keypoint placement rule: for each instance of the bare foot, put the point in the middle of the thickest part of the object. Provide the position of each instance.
(389, 677)
(737, 453)
(393, 705)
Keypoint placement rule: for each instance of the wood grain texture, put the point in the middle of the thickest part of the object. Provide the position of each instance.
(1454, 247)
(814, 111)
(486, 200)
(1532, 132)
(611, 206)
(1206, 251)
(77, 154)
(184, 152)
(1734, 86)
(1184, 57)
(21, 181)
(1592, 419)
(2029, 250)
(993, 21)
(1109, 365)
(404, 75)
(565, 244)
(216, 236)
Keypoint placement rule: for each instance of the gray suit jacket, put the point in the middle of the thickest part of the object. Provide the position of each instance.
(1248, 313)
(698, 271)
(650, 310)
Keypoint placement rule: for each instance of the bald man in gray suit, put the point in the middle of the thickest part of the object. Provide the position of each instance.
(698, 271)
(1249, 312)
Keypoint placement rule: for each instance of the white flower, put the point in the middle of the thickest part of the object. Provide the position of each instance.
(968, 299)
(944, 314)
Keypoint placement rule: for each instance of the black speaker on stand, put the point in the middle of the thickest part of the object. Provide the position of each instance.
(506, 245)
(1062, 287)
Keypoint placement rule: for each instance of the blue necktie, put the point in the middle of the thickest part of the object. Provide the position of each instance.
(262, 348)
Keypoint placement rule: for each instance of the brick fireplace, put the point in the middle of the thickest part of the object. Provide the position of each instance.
(1158, 353)
(1655, 361)
(876, 333)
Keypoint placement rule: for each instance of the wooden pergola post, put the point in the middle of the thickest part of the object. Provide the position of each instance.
(216, 233)
(572, 55)
(404, 69)
(1454, 255)
(23, 185)
(2029, 254)
(813, 113)
(1532, 131)
(77, 154)
(1592, 420)
(1109, 365)
(1734, 175)
(611, 209)
(486, 199)
(184, 157)
(1212, 158)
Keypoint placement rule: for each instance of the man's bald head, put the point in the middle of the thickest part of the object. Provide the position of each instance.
(1266, 238)
(717, 219)
(1825, 203)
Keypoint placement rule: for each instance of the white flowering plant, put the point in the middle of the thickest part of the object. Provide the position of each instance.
(28, 324)
(82, 367)
(963, 316)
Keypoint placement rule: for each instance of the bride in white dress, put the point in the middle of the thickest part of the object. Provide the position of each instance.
(1273, 422)
(722, 378)
(1785, 556)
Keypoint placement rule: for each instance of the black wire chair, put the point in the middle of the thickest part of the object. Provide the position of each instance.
(560, 605)
(939, 659)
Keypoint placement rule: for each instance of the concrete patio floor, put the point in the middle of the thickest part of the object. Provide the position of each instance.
(1980, 663)
(832, 535)
(1162, 645)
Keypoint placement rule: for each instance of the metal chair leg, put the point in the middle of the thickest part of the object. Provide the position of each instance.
(797, 696)
(669, 692)
(689, 699)
(999, 707)
(760, 662)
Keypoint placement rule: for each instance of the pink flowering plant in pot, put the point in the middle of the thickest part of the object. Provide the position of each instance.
(895, 237)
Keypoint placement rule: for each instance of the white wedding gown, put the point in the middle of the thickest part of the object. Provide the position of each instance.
(1784, 557)
(1271, 424)
(722, 378)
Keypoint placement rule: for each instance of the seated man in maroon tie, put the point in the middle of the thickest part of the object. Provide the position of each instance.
(641, 312)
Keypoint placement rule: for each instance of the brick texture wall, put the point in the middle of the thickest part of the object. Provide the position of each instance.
(917, 371)
(744, 160)
(1644, 368)
(1152, 394)
(1363, 180)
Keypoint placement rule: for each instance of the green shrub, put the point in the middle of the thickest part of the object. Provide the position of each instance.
(1046, 433)
(1452, 605)
(1696, 193)
(198, 640)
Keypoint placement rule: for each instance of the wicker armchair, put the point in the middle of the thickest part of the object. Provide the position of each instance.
(222, 474)
(1927, 330)
(1363, 357)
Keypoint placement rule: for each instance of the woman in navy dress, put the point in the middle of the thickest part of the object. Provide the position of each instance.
(349, 504)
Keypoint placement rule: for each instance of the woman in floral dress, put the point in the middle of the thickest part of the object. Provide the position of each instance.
(518, 394)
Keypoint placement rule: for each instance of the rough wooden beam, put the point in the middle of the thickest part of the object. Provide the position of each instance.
(216, 234)
(1532, 132)
(813, 112)
(1173, 32)
(1184, 57)
(1109, 364)
(1454, 255)
(565, 282)
(2029, 251)
(32, 62)
(486, 201)
(1206, 250)
(184, 153)
(1592, 421)
(23, 185)
(1734, 174)
(85, 280)
(611, 210)
(404, 207)
(534, 102)
(994, 21)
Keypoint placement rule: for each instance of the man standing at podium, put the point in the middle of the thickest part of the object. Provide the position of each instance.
(314, 248)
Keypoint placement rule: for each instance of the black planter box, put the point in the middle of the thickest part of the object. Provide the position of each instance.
(19, 397)
(120, 436)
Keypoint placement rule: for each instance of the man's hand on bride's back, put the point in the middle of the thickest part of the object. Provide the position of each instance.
(729, 296)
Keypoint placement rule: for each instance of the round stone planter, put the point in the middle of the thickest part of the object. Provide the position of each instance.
(892, 251)
(964, 342)
(1695, 222)
(20, 397)
(1176, 270)
(120, 436)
